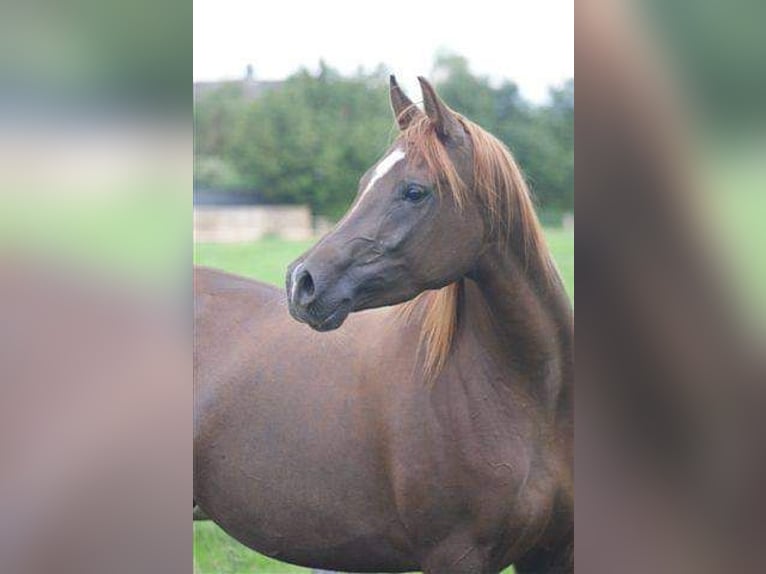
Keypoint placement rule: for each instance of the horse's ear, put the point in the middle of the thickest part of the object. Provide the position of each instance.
(444, 119)
(404, 110)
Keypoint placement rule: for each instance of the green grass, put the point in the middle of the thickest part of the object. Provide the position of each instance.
(139, 230)
(214, 551)
(736, 209)
(561, 244)
(266, 259)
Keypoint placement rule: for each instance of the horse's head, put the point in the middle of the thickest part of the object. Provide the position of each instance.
(411, 227)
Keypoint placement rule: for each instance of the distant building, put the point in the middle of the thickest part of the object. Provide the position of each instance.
(236, 216)
(245, 223)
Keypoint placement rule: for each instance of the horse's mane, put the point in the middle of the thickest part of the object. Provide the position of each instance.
(505, 199)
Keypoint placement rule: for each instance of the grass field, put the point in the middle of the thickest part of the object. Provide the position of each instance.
(214, 551)
(735, 215)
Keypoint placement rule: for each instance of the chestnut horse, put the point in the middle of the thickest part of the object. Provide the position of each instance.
(433, 433)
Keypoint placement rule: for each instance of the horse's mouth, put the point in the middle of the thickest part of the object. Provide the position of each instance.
(329, 322)
(334, 319)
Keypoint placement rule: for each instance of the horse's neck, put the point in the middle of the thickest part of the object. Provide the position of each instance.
(521, 315)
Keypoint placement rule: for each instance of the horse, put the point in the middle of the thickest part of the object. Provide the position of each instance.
(416, 412)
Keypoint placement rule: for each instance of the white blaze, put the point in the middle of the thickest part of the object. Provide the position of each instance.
(384, 166)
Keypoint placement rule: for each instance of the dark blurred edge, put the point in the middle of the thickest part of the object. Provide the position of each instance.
(95, 294)
(670, 455)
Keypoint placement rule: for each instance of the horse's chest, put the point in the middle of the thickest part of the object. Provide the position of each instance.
(479, 471)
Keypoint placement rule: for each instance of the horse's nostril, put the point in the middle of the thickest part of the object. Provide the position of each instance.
(304, 288)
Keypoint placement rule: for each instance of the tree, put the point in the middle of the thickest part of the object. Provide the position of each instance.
(312, 138)
(541, 138)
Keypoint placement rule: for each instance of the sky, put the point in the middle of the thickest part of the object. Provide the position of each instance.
(528, 41)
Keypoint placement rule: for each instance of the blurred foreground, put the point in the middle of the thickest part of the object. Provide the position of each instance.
(671, 384)
(95, 226)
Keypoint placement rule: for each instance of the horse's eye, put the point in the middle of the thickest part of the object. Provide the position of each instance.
(414, 192)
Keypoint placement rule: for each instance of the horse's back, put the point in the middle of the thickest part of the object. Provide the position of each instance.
(214, 282)
(229, 307)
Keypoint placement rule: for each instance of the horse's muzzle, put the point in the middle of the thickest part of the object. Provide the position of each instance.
(311, 304)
